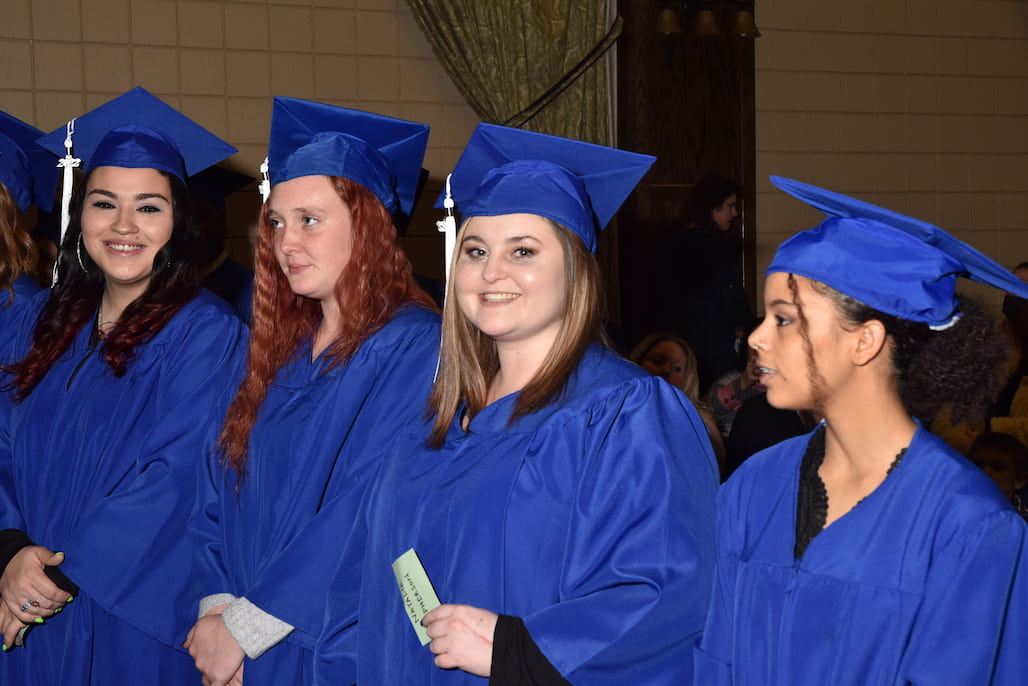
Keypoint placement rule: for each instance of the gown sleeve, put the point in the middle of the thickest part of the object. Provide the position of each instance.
(973, 626)
(131, 553)
(638, 561)
(387, 388)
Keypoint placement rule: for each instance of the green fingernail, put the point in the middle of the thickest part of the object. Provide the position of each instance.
(71, 598)
(58, 610)
(38, 620)
(5, 647)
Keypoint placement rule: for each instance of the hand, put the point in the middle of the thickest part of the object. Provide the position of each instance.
(10, 625)
(462, 638)
(24, 582)
(218, 656)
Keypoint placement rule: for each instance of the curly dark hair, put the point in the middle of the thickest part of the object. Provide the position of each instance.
(71, 304)
(959, 368)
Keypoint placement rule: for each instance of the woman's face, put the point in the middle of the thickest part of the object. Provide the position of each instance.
(666, 359)
(312, 233)
(724, 216)
(782, 355)
(127, 217)
(509, 279)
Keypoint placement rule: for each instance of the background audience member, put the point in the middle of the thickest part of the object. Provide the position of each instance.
(666, 355)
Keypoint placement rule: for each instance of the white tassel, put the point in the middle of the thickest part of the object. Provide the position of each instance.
(448, 226)
(265, 184)
(68, 163)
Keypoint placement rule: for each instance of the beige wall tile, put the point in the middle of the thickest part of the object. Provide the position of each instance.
(211, 112)
(1013, 213)
(335, 76)
(419, 79)
(786, 14)
(16, 56)
(335, 31)
(55, 108)
(17, 21)
(458, 123)
(154, 22)
(19, 104)
(106, 21)
(58, 66)
(921, 16)
(201, 24)
(56, 20)
(290, 28)
(1011, 95)
(378, 78)
(249, 120)
(1011, 173)
(347, 4)
(249, 73)
(108, 68)
(203, 71)
(293, 75)
(377, 33)
(156, 69)
(246, 27)
(411, 42)
(922, 172)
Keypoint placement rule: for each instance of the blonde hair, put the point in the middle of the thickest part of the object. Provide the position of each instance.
(469, 361)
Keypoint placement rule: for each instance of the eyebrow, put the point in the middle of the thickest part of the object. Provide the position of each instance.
(779, 301)
(137, 196)
(512, 239)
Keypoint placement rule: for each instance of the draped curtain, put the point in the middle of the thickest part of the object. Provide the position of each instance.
(534, 64)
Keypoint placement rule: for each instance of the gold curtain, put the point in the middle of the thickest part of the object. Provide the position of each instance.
(512, 60)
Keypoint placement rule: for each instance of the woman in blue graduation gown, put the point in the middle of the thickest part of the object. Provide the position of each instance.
(868, 552)
(28, 176)
(342, 354)
(565, 499)
(124, 367)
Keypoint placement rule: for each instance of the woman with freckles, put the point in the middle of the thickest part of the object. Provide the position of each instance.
(122, 372)
(562, 507)
(868, 551)
(342, 353)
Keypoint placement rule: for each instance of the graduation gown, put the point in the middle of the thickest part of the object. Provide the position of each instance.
(103, 468)
(591, 519)
(316, 438)
(924, 582)
(12, 305)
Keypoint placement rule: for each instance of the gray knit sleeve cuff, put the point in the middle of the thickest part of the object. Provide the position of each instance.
(212, 601)
(254, 629)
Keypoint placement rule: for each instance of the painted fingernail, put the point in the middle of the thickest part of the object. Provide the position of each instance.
(5, 647)
(58, 610)
(38, 620)
(71, 598)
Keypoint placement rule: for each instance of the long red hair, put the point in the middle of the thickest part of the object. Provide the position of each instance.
(376, 283)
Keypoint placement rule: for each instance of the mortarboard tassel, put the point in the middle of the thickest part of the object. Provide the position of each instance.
(68, 163)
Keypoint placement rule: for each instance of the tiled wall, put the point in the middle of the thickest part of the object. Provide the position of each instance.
(919, 105)
(220, 61)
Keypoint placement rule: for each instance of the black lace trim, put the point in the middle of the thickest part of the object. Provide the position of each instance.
(812, 500)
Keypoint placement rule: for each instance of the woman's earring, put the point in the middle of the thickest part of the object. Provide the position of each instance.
(78, 253)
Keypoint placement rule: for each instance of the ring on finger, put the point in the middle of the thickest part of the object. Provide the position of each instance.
(35, 603)
(25, 606)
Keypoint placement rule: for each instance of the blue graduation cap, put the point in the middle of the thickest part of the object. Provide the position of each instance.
(139, 131)
(216, 183)
(381, 153)
(27, 170)
(576, 184)
(894, 263)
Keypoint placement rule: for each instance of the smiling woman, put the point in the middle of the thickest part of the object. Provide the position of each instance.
(122, 376)
(563, 504)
